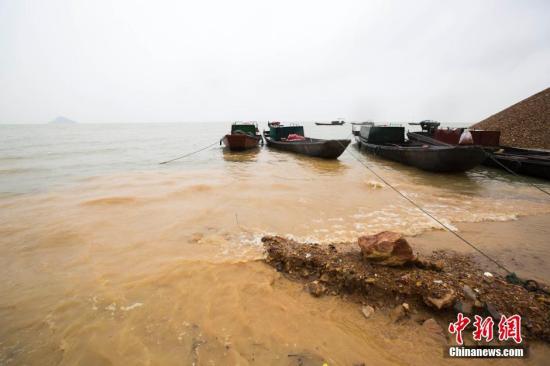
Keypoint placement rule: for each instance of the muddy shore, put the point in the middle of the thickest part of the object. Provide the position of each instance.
(456, 284)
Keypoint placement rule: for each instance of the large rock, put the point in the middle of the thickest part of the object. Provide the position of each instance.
(388, 248)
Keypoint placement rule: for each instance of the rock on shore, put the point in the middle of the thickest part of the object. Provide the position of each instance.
(387, 248)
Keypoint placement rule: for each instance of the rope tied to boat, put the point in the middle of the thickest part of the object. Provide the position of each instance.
(510, 170)
(511, 277)
(188, 154)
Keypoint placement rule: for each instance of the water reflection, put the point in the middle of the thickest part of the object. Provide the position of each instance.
(307, 163)
(322, 166)
(456, 182)
(246, 156)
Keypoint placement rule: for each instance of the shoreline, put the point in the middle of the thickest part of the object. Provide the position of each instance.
(437, 286)
(513, 243)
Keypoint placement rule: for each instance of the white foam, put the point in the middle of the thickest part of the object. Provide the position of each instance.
(131, 307)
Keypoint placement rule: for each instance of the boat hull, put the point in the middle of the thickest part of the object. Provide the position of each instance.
(240, 142)
(325, 149)
(441, 159)
(330, 124)
(530, 162)
(521, 161)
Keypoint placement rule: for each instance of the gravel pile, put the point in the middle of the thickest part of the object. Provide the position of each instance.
(524, 124)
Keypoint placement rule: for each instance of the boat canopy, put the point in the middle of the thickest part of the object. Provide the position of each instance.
(279, 132)
(247, 128)
(383, 134)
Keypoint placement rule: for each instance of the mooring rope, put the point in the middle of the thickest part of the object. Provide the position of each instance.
(511, 171)
(429, 214)
(511, 277)
(189, 154)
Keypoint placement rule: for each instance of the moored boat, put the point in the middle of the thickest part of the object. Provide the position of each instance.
(389, 142)
(331, 123)
(451, 136)
(532, 162)
(243, 136)
(291, 138)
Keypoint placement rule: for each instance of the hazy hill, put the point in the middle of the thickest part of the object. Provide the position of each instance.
(62, 120)
(524, 124)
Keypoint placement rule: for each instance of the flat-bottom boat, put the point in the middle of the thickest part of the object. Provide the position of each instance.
(332, 123)
(243, 136)
(535, 163)
(388, 142)
(532, 162)
(278, 137)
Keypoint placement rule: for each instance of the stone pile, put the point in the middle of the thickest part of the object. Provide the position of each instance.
(524, 124)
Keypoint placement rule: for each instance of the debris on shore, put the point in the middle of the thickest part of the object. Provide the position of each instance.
(386, 273)
(524, 124)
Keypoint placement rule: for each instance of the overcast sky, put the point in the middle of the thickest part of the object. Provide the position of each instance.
(175, 61)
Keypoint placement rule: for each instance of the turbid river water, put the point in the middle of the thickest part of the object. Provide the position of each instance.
(107, 257)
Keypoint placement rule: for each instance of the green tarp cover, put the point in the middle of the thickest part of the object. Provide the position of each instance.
(250, 129)
(277, 133)
(383, 134)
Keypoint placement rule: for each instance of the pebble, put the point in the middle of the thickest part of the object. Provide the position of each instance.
(367, 311)
(493, 312)
(469, 293)
(464, 307)
(441, 302)
(398, 313)
(316, 288)
(405, 278)
(439, 265)
(434, 329)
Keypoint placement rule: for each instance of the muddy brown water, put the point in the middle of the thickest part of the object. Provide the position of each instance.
(163, 265)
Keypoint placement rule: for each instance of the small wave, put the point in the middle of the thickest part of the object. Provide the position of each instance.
(195, 188)
(374, 184)
(131, 307)
(19, 170)
(12, 158)
(111, 201)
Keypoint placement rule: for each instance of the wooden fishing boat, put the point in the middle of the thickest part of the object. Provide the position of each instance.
(332, 123)
(389, 142)
(535, 163)
(452, 135)
(291, 138)
(532, 162)
(243, 136)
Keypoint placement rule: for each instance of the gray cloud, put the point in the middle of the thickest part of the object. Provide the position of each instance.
(170, 61)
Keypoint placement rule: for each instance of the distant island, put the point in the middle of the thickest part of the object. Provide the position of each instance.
(62, 121)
